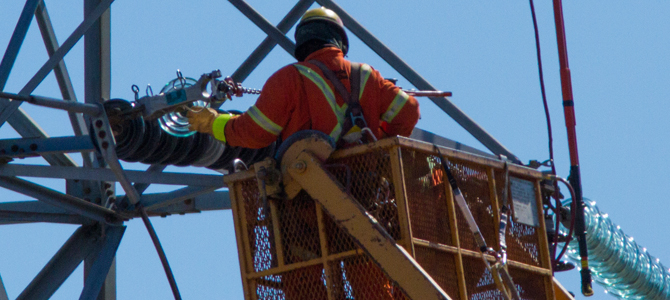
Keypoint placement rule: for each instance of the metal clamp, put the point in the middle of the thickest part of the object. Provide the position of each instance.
(155, 106)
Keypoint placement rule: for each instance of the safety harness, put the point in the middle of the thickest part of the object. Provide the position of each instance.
(354, 122)
(498, 270)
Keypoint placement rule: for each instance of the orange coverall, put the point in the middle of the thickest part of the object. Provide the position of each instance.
(291, 102)
(295, 99)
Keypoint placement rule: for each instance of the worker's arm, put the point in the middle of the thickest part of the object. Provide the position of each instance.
(399, 111)
(260, 125)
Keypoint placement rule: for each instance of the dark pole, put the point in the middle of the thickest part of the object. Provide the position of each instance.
(570, 123)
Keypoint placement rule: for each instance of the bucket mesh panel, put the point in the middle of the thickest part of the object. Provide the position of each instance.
(322, 261)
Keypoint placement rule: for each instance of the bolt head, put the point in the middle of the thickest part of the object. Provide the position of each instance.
(300, 166)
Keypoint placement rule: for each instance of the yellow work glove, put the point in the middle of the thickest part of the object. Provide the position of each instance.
(201, 119)
(207, 120)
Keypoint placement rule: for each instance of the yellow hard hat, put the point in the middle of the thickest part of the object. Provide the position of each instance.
(334, 31)
(321, 14)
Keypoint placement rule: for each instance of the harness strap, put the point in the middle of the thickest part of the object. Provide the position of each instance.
(354, 112)
(462, 205)
(504, 213)
(499, 271)
(354, 82)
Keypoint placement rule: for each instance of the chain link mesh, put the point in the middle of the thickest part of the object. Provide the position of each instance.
(358, 277)
(259, 227)
(321, 260)
(299, 228)
(472, 179)
(522, 240)
(423, 177)
(479, 281)
(369, 179)
(481, 286)
(441, 266)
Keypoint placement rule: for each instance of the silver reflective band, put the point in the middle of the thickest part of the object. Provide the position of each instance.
(330, 97)
(263, 121)
(395, 107)
(335, 134)
(365, 75)
(325, 89)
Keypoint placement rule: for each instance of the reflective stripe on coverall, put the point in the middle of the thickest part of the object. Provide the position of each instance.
(297, 97)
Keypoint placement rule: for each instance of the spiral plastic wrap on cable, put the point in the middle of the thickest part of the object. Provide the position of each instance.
(139, 140)
(624, 268)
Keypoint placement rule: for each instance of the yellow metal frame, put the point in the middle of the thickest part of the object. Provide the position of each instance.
(397, 262)
(368, 233)
(401, 200)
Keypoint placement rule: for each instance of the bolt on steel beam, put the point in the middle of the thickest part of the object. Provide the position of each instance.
(173, 197)
(67, 202)
(27, 147)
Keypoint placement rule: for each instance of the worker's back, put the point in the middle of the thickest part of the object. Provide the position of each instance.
(304, 99)
(300, 97)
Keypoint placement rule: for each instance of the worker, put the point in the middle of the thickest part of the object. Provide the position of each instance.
(327, 93)
(301, 96)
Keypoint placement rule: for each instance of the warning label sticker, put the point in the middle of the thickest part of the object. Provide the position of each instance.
(525, 206)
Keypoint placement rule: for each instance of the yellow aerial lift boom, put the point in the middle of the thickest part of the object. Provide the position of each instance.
(379, 221)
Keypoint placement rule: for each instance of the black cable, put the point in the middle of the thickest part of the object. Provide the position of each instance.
(544, 94)
(573, 217)
(161, 252)
(549, 133)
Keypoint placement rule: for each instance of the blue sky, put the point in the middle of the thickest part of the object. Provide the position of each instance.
(482, 51)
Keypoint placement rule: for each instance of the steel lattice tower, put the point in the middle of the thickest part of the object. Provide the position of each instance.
(90, 188)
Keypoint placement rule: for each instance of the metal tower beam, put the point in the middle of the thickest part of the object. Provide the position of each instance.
(58, 269)
(3, 291)
(16, 41)
(10, 107)
(158, 204)
(265, 25)
(418, 81)
(17, 217)
(269, 43)
(96, 243)
(60, 71)
(65, 201)
(97, 84)
(102, 269)
(100, 174)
